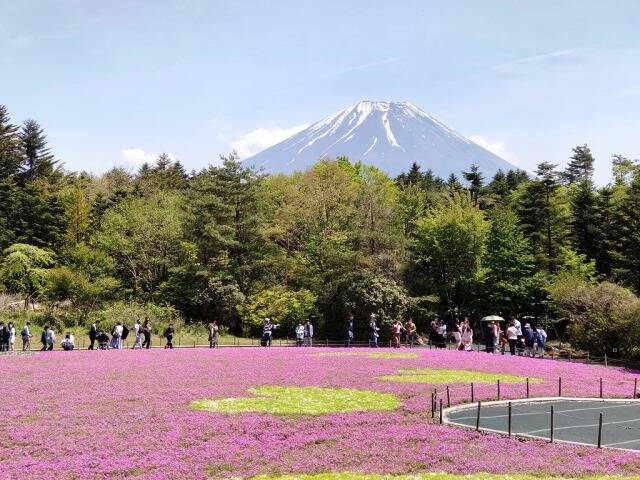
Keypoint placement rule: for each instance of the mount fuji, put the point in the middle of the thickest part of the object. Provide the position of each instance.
(389, 135)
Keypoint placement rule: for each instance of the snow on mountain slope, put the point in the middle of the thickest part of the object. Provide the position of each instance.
(388, 135)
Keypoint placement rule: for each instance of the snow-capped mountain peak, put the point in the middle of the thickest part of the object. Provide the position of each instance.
(389, 135)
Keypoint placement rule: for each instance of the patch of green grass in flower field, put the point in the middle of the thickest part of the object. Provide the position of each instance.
(434, 476)
(368, 354)
(437, 375)
(301, 401)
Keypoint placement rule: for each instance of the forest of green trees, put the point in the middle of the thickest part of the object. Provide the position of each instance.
(233, 244)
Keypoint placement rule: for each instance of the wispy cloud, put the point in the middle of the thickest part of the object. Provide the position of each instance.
(494, 146)
(257, 140)
(135, 157)
(365, 66)
(539, 59)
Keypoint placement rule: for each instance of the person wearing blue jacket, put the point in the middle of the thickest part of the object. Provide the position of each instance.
(529, 339)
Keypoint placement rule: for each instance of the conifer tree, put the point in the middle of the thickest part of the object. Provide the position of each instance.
(580, 166)
(10, 152)
(475, 179)
(543, 214)
(38, 161)
(627, 252)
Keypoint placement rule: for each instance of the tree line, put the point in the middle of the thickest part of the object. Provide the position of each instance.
(232, 244)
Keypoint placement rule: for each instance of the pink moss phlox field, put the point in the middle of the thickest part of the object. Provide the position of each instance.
(127, 413)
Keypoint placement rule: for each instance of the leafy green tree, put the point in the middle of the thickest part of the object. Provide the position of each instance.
(448, 248)
(145, 236)
(509, 265)
(623, 169)
(283, 306)
(361, 294)
(23, 270)
(594, 312)
(85, 294)
(78, 213)
(202, 294)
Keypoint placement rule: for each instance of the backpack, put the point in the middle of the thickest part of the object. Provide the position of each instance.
(125, 332)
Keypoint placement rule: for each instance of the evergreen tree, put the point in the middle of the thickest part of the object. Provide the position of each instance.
(580, 166)
(10, 151)
(38, 161)
(606, 229)
(583, 217)
(516, 177)
(543, 214)
(475, 179)
(98, 208)
(627, 252)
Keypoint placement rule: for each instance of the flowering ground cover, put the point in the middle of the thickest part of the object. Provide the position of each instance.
(449, 376)
(121, 414)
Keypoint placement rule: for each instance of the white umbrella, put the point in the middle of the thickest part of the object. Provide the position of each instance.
(492, 318)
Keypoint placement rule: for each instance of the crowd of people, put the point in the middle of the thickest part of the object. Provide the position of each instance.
(524, 340)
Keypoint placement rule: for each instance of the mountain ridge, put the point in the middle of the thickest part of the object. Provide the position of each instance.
(390, 135)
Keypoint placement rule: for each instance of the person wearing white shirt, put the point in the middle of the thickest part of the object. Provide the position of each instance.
(138, 339)
(116, 336)
(512, 338)
(516, 323)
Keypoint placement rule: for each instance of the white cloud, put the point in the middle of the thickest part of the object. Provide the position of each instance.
(364, 66)
(520, 63)
(136, 156)
(257, 140)
(497, 147)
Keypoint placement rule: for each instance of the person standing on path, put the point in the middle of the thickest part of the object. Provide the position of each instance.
(168, 334)
(373, 331)
(396, 331)
(50, 338)
(542, 339)
(116, 336)
(213, 334)
(529, 340)
(299, 334)
(12, 336)
(137, 341)
(410, 329)
(93, 334)
(348, 331)
(308, 334)
(146, 333)
(512, 338)
(43, 338)
(26, 337)
(457, 334)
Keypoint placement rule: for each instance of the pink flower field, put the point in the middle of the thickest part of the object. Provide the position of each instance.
(121, 414)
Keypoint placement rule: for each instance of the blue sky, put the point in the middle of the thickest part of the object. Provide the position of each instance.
(115, 82)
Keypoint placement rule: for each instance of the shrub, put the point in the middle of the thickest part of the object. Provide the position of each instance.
(284, 306)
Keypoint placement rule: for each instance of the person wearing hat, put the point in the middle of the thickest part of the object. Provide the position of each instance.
(373, 331)
(529, 340)
(267, 332)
